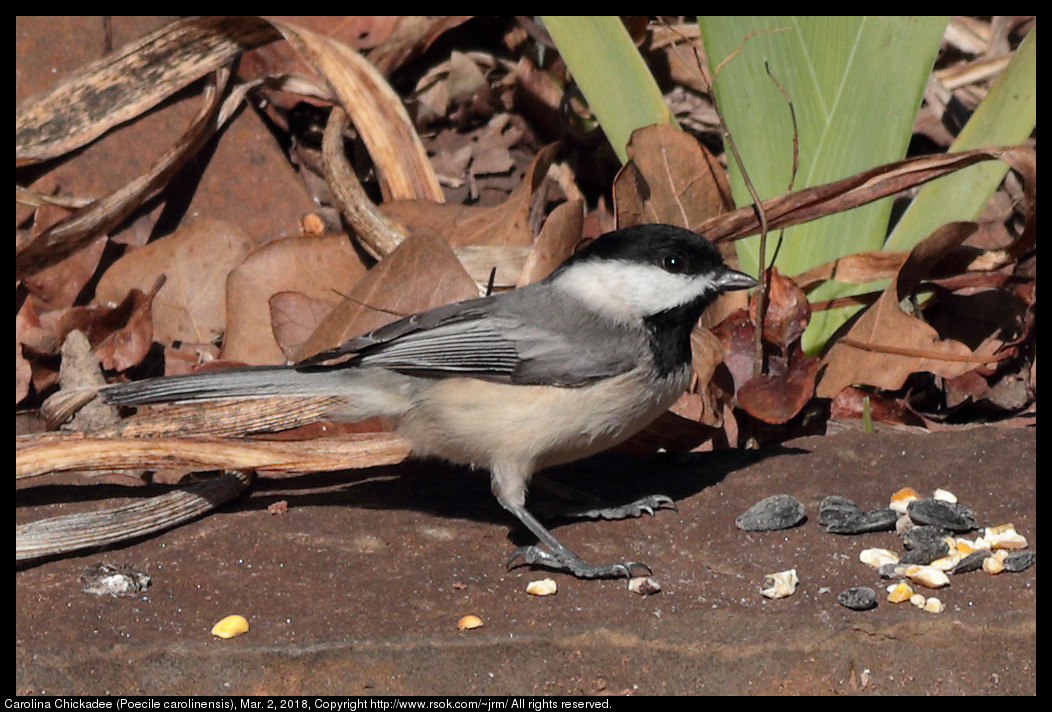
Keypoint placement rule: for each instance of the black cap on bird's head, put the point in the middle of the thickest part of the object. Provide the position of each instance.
(648, 269)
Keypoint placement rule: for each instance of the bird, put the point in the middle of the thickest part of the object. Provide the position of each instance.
(516, 382)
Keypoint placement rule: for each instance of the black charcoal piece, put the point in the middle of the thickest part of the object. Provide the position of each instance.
(878, 520)
(779, 511)
(942, 514)
(858, 598)
(1020, 560)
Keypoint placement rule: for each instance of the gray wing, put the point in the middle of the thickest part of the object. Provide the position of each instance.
(496, 338)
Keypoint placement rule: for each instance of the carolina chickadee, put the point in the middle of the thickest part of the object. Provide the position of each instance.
(547, 374)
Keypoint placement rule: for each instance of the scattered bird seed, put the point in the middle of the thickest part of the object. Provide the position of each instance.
(858, 598)
(927, 576)
(1004, 537)
(644, 585)
(934, 605)
(834, 507)
(859, 522)
(944, 496)
(899, 592)
(970, 562)
(779, 511)
(542, 587)
(901, 499)
(469, 622)
(230, 626)
(878, 557)
(1020, 560)
(924, 544)
(780, 585)
(120, 580)
(993, 565)
(944, 514)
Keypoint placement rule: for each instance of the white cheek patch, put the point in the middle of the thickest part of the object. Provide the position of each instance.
(629, 291)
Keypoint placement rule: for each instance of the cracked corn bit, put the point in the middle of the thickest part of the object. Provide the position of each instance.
(780, 585)
(230, 626)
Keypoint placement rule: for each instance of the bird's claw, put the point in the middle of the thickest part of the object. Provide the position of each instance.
(647, 504)
(535, 555)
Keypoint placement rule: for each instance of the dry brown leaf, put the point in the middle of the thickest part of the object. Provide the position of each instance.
(858, 268)
(191, 306)
(294, 317)
(420, 274)
(777, 397)
(787, 313)
(558, 238)
(128, 345)
(669, 178)
(885, 345)
(864, 187)
(850, 403)
(507, 224)
(736, 333)
(699, 403)
(411, 35)
(323, 267)
(58, 286)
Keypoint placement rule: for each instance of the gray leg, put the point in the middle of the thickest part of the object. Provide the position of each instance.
(559, 557)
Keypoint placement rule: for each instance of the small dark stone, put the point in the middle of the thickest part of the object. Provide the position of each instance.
(972, 562)
(858, 598)
(859, 522)
(779, 511)
(1020, 560)
(942, 514)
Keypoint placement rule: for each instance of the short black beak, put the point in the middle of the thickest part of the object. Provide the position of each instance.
(732, 279)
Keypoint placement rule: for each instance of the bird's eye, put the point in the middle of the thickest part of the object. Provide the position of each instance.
(673, 264)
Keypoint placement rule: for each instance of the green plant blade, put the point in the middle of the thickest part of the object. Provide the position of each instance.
(615, 81)
(856, 84)
(1006, 116)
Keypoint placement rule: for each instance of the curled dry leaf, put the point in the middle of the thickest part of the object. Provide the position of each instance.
(885, 345)
(777, 397)
(555, 243)
(859, 189)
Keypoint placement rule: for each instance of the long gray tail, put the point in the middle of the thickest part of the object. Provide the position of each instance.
(365, 392)
(239, 382)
